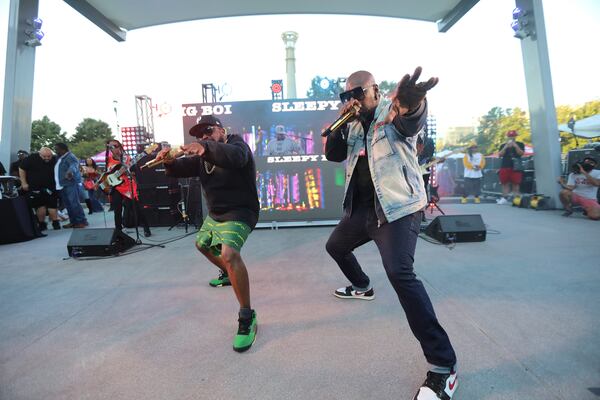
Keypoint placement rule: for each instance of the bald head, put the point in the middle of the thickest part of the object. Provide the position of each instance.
(365, 80)
(45, 153)
(360, 78)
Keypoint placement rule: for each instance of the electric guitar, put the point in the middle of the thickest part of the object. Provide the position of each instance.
(114, 177)
(437, 160)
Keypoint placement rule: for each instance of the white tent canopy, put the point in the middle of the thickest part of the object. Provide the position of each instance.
(588, 127)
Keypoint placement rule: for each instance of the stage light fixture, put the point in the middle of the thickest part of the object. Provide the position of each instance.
(34, 33)
(522, 24)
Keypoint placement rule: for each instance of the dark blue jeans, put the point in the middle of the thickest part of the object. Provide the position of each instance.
(396, 242)
(70, 197)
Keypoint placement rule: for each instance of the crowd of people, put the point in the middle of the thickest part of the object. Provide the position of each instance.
(56, 183)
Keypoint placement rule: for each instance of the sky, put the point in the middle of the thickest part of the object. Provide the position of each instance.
(81, 71)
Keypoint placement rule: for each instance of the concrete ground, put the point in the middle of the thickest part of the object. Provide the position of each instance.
(522, 310)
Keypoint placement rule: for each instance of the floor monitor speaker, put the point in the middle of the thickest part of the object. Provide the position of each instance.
(457, 228)
(98, 242)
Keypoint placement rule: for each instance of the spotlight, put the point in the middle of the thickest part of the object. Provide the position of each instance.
(35, 34)
(522, 24)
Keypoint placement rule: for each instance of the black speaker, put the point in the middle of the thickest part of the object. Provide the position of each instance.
(457, 228)
(98, 242)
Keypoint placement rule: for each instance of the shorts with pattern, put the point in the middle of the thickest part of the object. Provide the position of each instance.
(213, 234)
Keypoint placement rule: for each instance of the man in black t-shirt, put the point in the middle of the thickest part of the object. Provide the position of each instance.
(37, 181)
(508, 174)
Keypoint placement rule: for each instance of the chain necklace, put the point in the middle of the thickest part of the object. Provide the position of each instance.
(209, 170)
(207, 166)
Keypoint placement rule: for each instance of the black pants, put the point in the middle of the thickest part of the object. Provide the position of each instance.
(117, 200)
(472, 187)
(396, 242)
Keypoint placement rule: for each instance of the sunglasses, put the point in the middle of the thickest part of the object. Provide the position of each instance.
(208, 130)
(357, 93)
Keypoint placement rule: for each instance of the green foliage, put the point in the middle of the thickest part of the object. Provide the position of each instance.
(317, 92)
(45, 133)
(491, 132)
(90, 137)
(87, 149)
(90, 130)
(565, 113)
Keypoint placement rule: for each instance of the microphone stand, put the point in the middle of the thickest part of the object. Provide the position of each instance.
(135, 205)
(185, 219)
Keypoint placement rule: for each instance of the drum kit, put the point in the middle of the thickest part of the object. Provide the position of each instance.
(9, 187)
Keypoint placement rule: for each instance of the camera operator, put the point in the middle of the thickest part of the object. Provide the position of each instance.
(581, 188)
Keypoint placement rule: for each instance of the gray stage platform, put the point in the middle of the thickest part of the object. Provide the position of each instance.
(522, 310)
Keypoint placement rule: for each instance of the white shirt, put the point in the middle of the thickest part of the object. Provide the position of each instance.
(474, 159)
(56, 178)
(582, 187)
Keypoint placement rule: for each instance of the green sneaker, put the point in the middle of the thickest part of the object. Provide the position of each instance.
(222, 280)
(246, 333)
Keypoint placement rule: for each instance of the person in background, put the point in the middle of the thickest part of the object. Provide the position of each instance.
(283, 145)
(508, 175)
(14, 167)
(473, 162)
(125, 193)
(68, 182)
(36, 172)
(2, 170)
(581, 188)
(90, 176)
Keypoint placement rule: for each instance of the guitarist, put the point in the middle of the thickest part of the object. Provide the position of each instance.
(126, 192)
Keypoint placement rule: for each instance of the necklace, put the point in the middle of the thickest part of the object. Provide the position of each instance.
(209, 170)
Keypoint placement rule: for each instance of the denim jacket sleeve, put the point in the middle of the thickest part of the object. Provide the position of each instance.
(410, 125)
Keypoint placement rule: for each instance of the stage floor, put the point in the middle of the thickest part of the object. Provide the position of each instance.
(522, 310)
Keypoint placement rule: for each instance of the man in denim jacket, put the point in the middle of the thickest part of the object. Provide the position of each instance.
(383, 201)
(68, 182)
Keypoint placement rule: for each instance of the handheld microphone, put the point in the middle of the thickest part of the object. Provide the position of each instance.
(340, 121)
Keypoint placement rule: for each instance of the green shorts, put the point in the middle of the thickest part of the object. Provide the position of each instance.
(213, 234)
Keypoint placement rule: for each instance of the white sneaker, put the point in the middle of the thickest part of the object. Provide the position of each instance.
(349, 293)
(438, 387)
(501, 200)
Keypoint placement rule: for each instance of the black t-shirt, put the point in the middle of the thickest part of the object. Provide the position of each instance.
(14, 168)
(40, 174)
(507, 158)
(364, 191)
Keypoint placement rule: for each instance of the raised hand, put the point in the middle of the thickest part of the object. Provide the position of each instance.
(409, 94)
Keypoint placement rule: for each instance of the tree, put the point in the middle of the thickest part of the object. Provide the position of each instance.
(90, 137)
(489, 129)
(90, 130)
(46, 133)
(322, 87)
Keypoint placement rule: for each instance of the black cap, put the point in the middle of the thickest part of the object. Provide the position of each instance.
(22, 152)
(199, 129)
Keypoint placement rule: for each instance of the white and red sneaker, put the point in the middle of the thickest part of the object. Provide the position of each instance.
(349, 293)
(437, 386)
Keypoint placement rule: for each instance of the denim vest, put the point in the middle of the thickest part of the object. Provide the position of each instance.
(393, 163)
